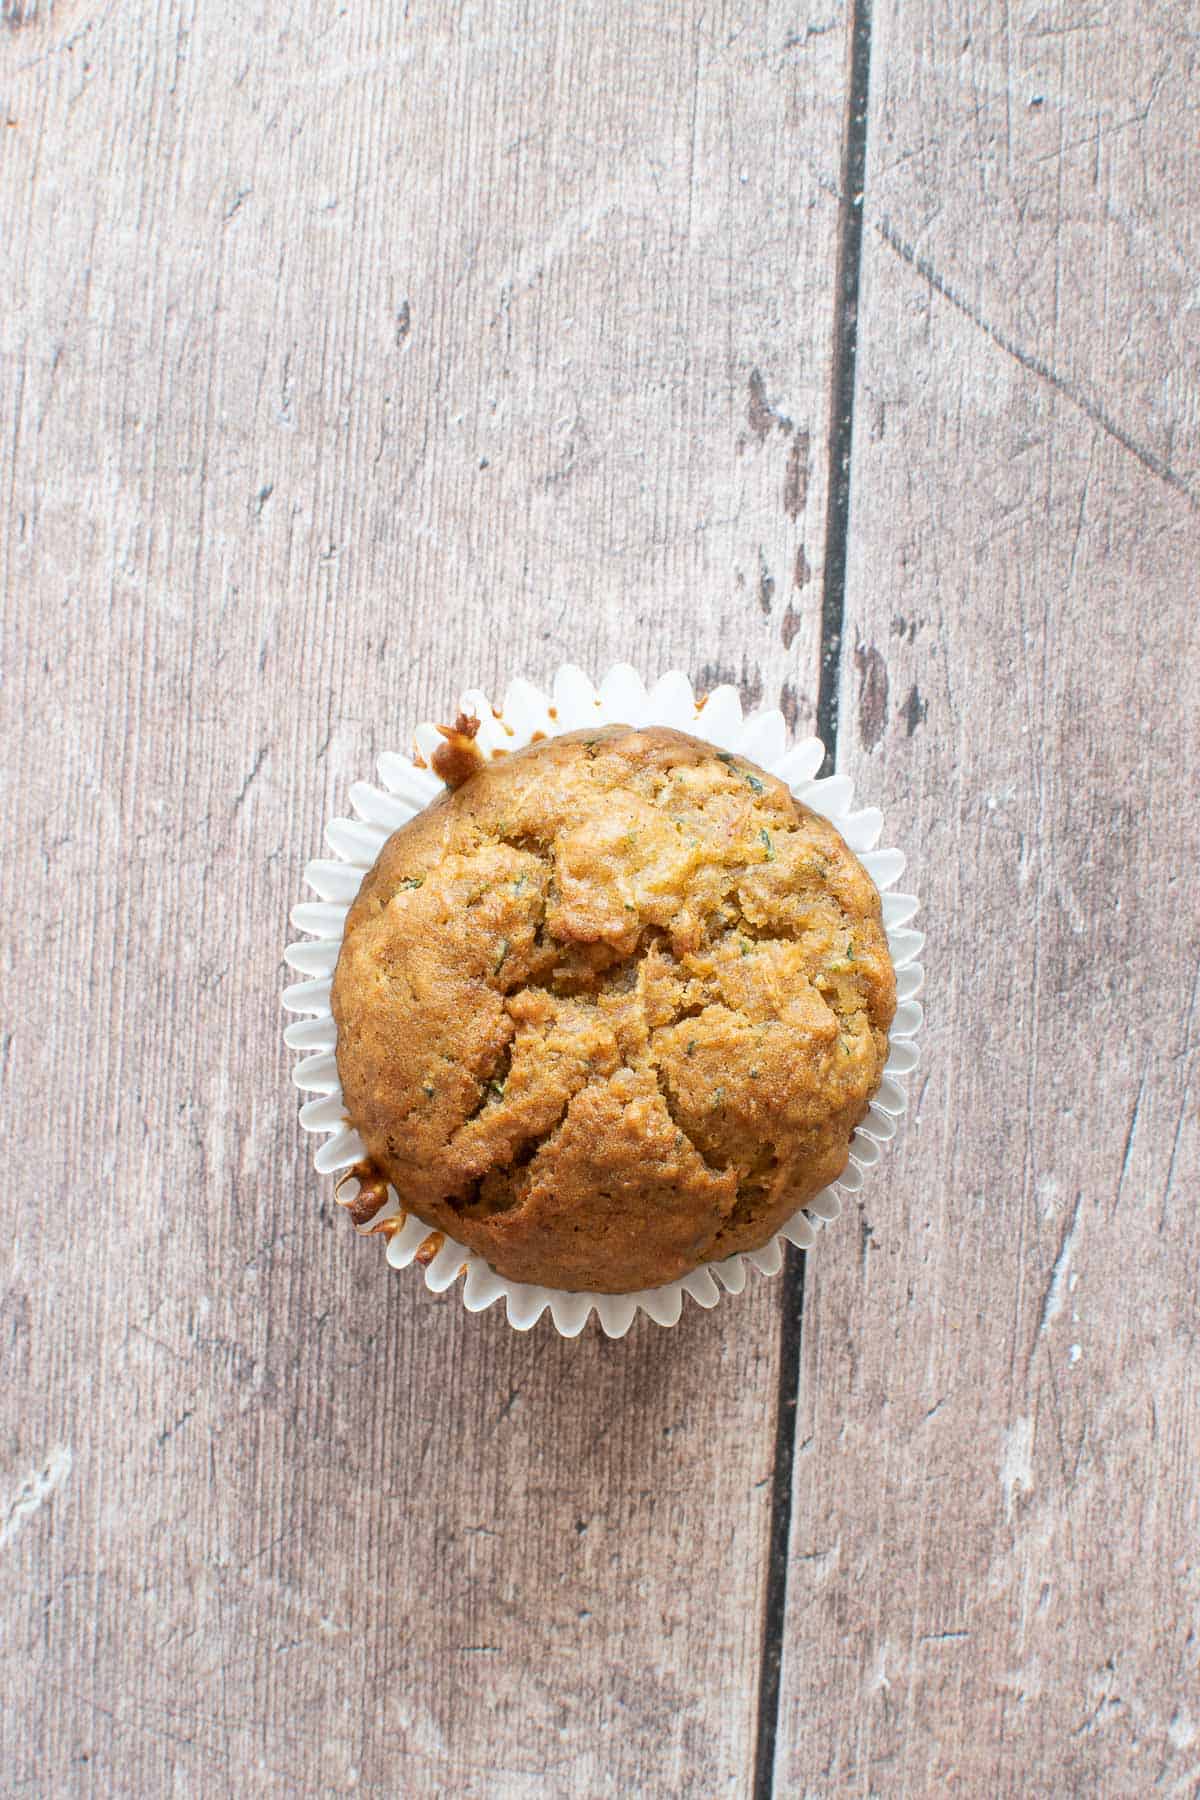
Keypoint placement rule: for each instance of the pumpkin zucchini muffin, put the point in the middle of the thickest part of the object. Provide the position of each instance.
(610, 1008)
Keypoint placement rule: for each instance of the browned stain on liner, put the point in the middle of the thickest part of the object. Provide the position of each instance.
(429, 1248)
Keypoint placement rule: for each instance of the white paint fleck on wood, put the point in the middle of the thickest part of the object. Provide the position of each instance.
(33, 1492)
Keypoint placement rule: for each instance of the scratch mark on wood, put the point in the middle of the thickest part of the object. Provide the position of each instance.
(1107, 1702)
(1036, 365)
(1016, 1471)
(1127, 1152)
(1047, 31)
(801, 39)
(1052, 1299)
(271, 1544)
(168, 1432)
(514, 1395)
(1170, 1177)
(259, 759)
(802, 571)
(821, 1557)
(1183, 1054)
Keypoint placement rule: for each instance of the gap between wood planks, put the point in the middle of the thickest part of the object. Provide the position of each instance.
(833, 604)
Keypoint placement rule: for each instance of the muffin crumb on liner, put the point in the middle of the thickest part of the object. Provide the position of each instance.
(409, 783)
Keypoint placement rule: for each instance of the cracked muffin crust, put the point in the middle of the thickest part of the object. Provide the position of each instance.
(611, 1008)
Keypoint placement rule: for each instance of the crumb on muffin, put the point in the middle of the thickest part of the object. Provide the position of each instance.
(612, 1009)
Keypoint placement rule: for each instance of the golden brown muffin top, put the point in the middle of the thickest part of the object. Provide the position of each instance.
(612, 1008)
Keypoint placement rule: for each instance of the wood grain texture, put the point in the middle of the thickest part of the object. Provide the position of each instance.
(994, 1585)
(348, 356)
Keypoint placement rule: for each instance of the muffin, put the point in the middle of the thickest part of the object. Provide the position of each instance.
(610, 1008)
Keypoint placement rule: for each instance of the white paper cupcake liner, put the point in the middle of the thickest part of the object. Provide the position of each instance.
(621, 698)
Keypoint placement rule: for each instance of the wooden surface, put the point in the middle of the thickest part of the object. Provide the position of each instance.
(348, 357)
(994, 1583)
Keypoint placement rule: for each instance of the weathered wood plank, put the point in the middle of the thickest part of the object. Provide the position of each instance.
(992, 1587)
(348, 356)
